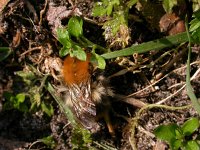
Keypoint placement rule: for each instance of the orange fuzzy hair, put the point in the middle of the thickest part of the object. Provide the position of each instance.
(76, 71)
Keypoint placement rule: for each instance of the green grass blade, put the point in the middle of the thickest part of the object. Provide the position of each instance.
(189, 88)
(63, 107)
(148, 46)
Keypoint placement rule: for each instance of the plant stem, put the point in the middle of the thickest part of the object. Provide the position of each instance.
(91, 44)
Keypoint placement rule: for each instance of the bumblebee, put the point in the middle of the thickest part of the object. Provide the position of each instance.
(88, 94)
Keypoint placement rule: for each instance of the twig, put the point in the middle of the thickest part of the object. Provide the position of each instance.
(130, 100)
(30, 50)
(42, 12)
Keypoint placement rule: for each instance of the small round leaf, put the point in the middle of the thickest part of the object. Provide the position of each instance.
(47, 108)
(101, 62)
(192, 145)
(64, 51)
(75, 26)
(166, 132)
(98, 10)
(20, 97)
(79, 53)
(190, 126)
(63, 36)
(98, 60)
(176, 144)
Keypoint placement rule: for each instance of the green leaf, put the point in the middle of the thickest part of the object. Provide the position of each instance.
(37, 98)
(20, 97)
(190, 126)
(63, 36)
(109, 9)
(98, 60)
(48, 141)
(4, 53)
(195, 27)
(75, 25)
(101, 61)
(195, 5)
(110, 6)
(118, 19)
(131, 3)
(192, 145)
(19, 102)
(47, 108)
(79, 53)
(81, 138)
(33, 106)
(98, 9)
(176, 144)
(15, 102)
(64, 51)
(169, 4)
(104, 7)
(194, 24)
(86, 136)
(196, 36)
(26, 74)
(179, 133)
(166, 132)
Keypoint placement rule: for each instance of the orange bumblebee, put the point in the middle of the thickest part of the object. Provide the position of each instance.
(87, 98)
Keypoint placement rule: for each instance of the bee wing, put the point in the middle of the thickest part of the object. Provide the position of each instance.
(83, 105)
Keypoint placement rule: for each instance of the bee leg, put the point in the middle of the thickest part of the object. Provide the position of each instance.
(105, 115)
(109, 123)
